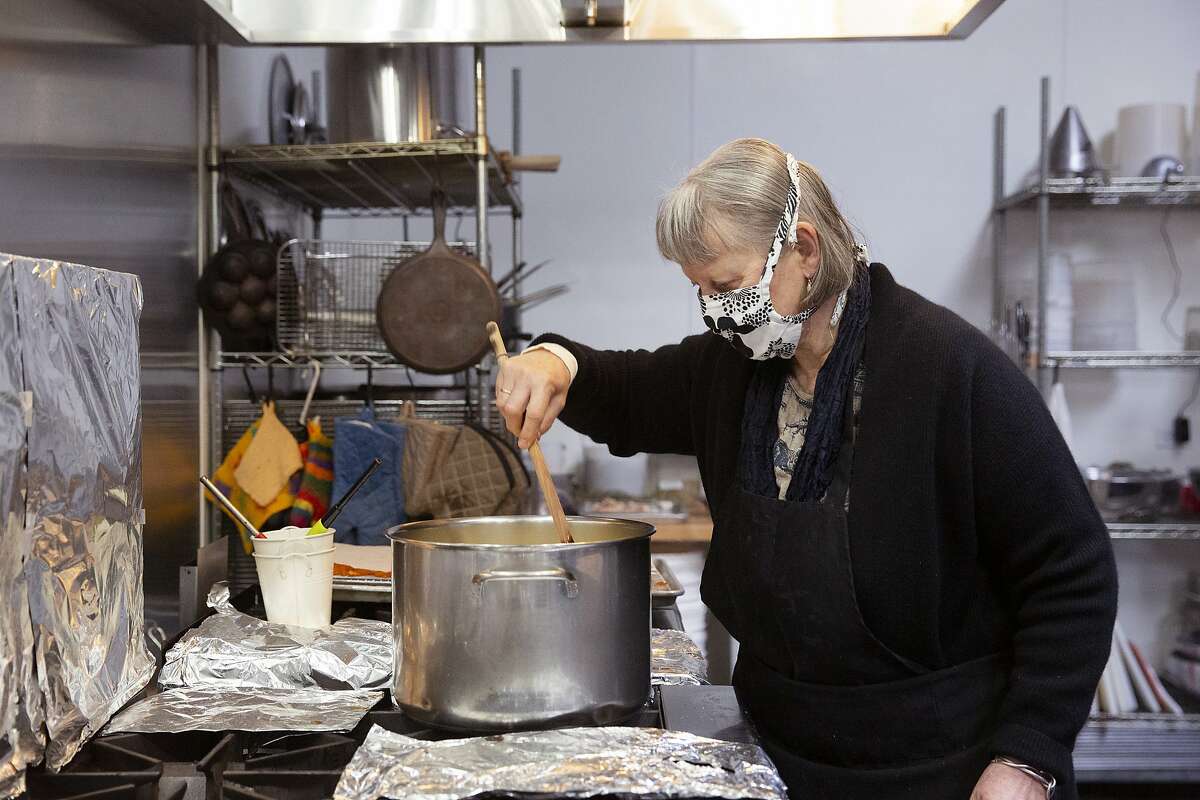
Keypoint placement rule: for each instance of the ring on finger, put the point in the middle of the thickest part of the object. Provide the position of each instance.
(506, 391)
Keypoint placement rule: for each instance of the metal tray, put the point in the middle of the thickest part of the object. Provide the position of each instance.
(665, 588)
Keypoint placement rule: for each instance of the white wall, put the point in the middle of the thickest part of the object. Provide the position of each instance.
(903, 133)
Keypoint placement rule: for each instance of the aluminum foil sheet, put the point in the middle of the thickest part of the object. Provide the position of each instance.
(675, 659)
(21, 738)
(234, 649)
(263, 710)
(574, 762)
(78, 346)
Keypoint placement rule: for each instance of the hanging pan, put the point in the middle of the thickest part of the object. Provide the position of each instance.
(434, 308)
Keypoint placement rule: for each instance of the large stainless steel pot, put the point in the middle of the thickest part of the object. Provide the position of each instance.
(400, 93)
(500, 627)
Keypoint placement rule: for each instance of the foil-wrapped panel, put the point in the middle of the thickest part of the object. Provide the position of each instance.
(21, 736)
(573, 762)
(78, 346)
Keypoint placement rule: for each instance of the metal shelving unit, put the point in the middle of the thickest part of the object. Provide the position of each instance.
(1131, 748)
(343, 180)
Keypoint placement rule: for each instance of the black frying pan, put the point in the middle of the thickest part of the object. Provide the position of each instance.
(433, 309)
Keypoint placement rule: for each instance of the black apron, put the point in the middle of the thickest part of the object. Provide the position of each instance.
(840, 713)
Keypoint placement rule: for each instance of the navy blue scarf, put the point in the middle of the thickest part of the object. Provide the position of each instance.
(832, 400)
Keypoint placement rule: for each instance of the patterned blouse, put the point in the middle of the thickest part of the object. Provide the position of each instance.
(793, 424)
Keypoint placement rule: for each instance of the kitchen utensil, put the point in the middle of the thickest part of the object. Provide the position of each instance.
(531, 163)
(522, 270)
(432, 308)
(331, 515)
(235, 220)
(299, 116)
(230, 508)
(534, 299)
(390, 93)
(1071, 151)
(499, 627)
(1147, 131)
(279, 100)
(535, 453)
(1124, 493)
(1164, 168)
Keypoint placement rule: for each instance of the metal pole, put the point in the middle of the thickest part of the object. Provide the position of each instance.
(999, 222)
(517, 245)
(516, 111)
(481, 140)
(203, 429)
(209, 391)
(1043, 249)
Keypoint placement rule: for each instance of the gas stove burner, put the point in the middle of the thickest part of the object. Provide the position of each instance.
(199, 765)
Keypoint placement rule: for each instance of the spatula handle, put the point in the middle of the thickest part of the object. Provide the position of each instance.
(535, 453)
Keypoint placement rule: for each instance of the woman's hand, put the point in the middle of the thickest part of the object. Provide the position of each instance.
(1002, 782)
(530, 392)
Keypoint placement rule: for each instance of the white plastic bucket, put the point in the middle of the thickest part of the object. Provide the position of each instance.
(297, 587)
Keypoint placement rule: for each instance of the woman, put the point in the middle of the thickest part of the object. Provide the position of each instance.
(922, 589)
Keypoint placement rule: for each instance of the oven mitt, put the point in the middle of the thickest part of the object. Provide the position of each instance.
(482, 476)
(380, 503)
(272, 458)
(227, 483)
(425, 452)
(316, 483)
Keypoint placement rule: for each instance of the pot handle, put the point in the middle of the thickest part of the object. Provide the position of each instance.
(548, 574)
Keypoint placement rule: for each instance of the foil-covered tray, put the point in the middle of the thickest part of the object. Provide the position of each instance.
(573, 762)
(231, 709)
(675, 659)
(233, 649)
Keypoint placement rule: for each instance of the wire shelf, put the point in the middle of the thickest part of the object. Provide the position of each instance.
(1178, 531)
(1139, 747)
(326, 298)
(1113, 359)
(380, 176)
(1125, 192)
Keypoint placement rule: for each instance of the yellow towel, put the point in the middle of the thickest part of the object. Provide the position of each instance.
(227, 483)
(270, 461)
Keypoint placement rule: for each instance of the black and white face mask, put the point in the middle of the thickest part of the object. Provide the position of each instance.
(746, 317)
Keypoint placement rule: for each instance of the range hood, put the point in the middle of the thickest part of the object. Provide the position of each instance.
(275, 22)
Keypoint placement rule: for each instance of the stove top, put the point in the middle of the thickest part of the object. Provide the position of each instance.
(204, 766)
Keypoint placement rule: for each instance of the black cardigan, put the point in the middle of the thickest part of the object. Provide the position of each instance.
(971, 531)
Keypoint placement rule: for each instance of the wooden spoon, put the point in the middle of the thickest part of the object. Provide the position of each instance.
(535, 453)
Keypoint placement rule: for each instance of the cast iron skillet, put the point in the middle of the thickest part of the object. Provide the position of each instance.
(434, 308)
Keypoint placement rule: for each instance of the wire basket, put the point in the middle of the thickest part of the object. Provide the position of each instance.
(327, 293)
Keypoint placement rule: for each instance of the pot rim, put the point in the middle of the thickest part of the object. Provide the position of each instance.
(396, 533)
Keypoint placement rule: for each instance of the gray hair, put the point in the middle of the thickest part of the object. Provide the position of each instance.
(733, 201)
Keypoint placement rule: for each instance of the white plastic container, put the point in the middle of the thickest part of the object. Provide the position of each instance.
(295, 573)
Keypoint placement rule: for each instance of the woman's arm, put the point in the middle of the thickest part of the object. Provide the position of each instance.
(1050, 552)
(635, 401)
